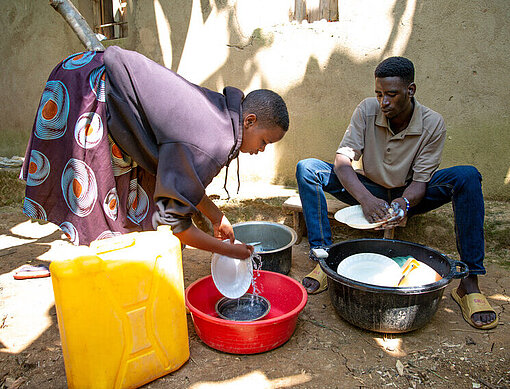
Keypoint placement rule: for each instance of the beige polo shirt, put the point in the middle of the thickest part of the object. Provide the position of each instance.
(393, 160)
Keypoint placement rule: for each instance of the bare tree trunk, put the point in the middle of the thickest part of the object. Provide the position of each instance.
(78, 24)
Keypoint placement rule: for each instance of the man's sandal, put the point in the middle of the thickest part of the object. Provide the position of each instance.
(318, 275)
(474, 303)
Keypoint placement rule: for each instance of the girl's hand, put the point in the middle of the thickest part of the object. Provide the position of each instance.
(239, 250)
(223, 230)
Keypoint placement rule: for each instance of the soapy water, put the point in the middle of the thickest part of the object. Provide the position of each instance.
(267, 245)
(261, 249)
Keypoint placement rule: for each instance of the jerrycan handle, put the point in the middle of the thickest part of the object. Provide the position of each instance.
(113, 244)
(165, 228)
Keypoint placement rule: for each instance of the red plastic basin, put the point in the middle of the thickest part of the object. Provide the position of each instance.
(287, 298)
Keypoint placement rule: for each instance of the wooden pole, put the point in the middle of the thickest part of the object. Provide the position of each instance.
(78, 24)
(333, 10)
(324, 10)
(299, 10)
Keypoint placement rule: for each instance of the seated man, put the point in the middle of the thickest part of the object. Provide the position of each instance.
(401, 142)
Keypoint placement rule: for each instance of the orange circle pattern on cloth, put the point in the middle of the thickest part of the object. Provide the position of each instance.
(97, 83)
(88, 131)
(70, 232)
(79, 187)
(51, 120)
(77, 177)
(138, 202)
(110, 204)
(39, 168)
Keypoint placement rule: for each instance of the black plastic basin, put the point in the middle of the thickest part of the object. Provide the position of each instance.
(387, 309)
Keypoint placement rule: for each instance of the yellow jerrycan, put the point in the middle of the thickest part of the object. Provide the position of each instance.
(121, 311)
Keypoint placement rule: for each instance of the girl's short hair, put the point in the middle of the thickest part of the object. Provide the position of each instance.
(268, 106)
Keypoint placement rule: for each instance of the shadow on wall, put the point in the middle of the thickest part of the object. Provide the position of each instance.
(157, 17)
(324, 69)
(322, 99)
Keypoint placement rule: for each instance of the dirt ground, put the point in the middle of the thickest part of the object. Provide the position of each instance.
(323, 352)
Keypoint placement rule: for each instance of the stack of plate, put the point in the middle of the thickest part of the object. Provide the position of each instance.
(371, 268)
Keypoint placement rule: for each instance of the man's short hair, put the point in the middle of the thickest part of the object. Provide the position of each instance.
(396, 67)
(268, 106)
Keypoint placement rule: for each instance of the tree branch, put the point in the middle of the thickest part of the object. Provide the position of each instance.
(78, 24)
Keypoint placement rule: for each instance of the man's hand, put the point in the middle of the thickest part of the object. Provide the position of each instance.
(375, 209)
(398, 214)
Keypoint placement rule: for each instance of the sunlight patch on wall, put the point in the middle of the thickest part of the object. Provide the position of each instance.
(403, 34)
(164, 34)
(366, 30)
(220, 83)
(251, 15)
(206, 47)
(256, 79)
(507, 178)
(363, 33)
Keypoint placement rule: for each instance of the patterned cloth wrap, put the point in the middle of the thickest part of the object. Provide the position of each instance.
(76, 175)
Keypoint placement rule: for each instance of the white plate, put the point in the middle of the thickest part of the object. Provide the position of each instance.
(353, 216)
(371, 268)
(231, 276)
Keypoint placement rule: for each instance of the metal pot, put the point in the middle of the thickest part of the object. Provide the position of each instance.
(387, 309)
(249, 307)
(273, 242)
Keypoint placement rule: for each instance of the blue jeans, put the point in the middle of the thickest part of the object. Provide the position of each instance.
(459, 184)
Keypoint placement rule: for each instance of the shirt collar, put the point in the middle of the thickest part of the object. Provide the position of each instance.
(415, 126)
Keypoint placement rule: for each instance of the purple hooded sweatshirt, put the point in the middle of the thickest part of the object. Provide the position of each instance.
(182, 133)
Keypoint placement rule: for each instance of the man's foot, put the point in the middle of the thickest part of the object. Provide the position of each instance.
(475, 308)
(316, 281)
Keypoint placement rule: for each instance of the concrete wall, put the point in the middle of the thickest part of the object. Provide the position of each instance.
(460, 50)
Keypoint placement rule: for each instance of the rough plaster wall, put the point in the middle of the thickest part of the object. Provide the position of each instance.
(460, 50)
(33, 37)
(462, 56)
